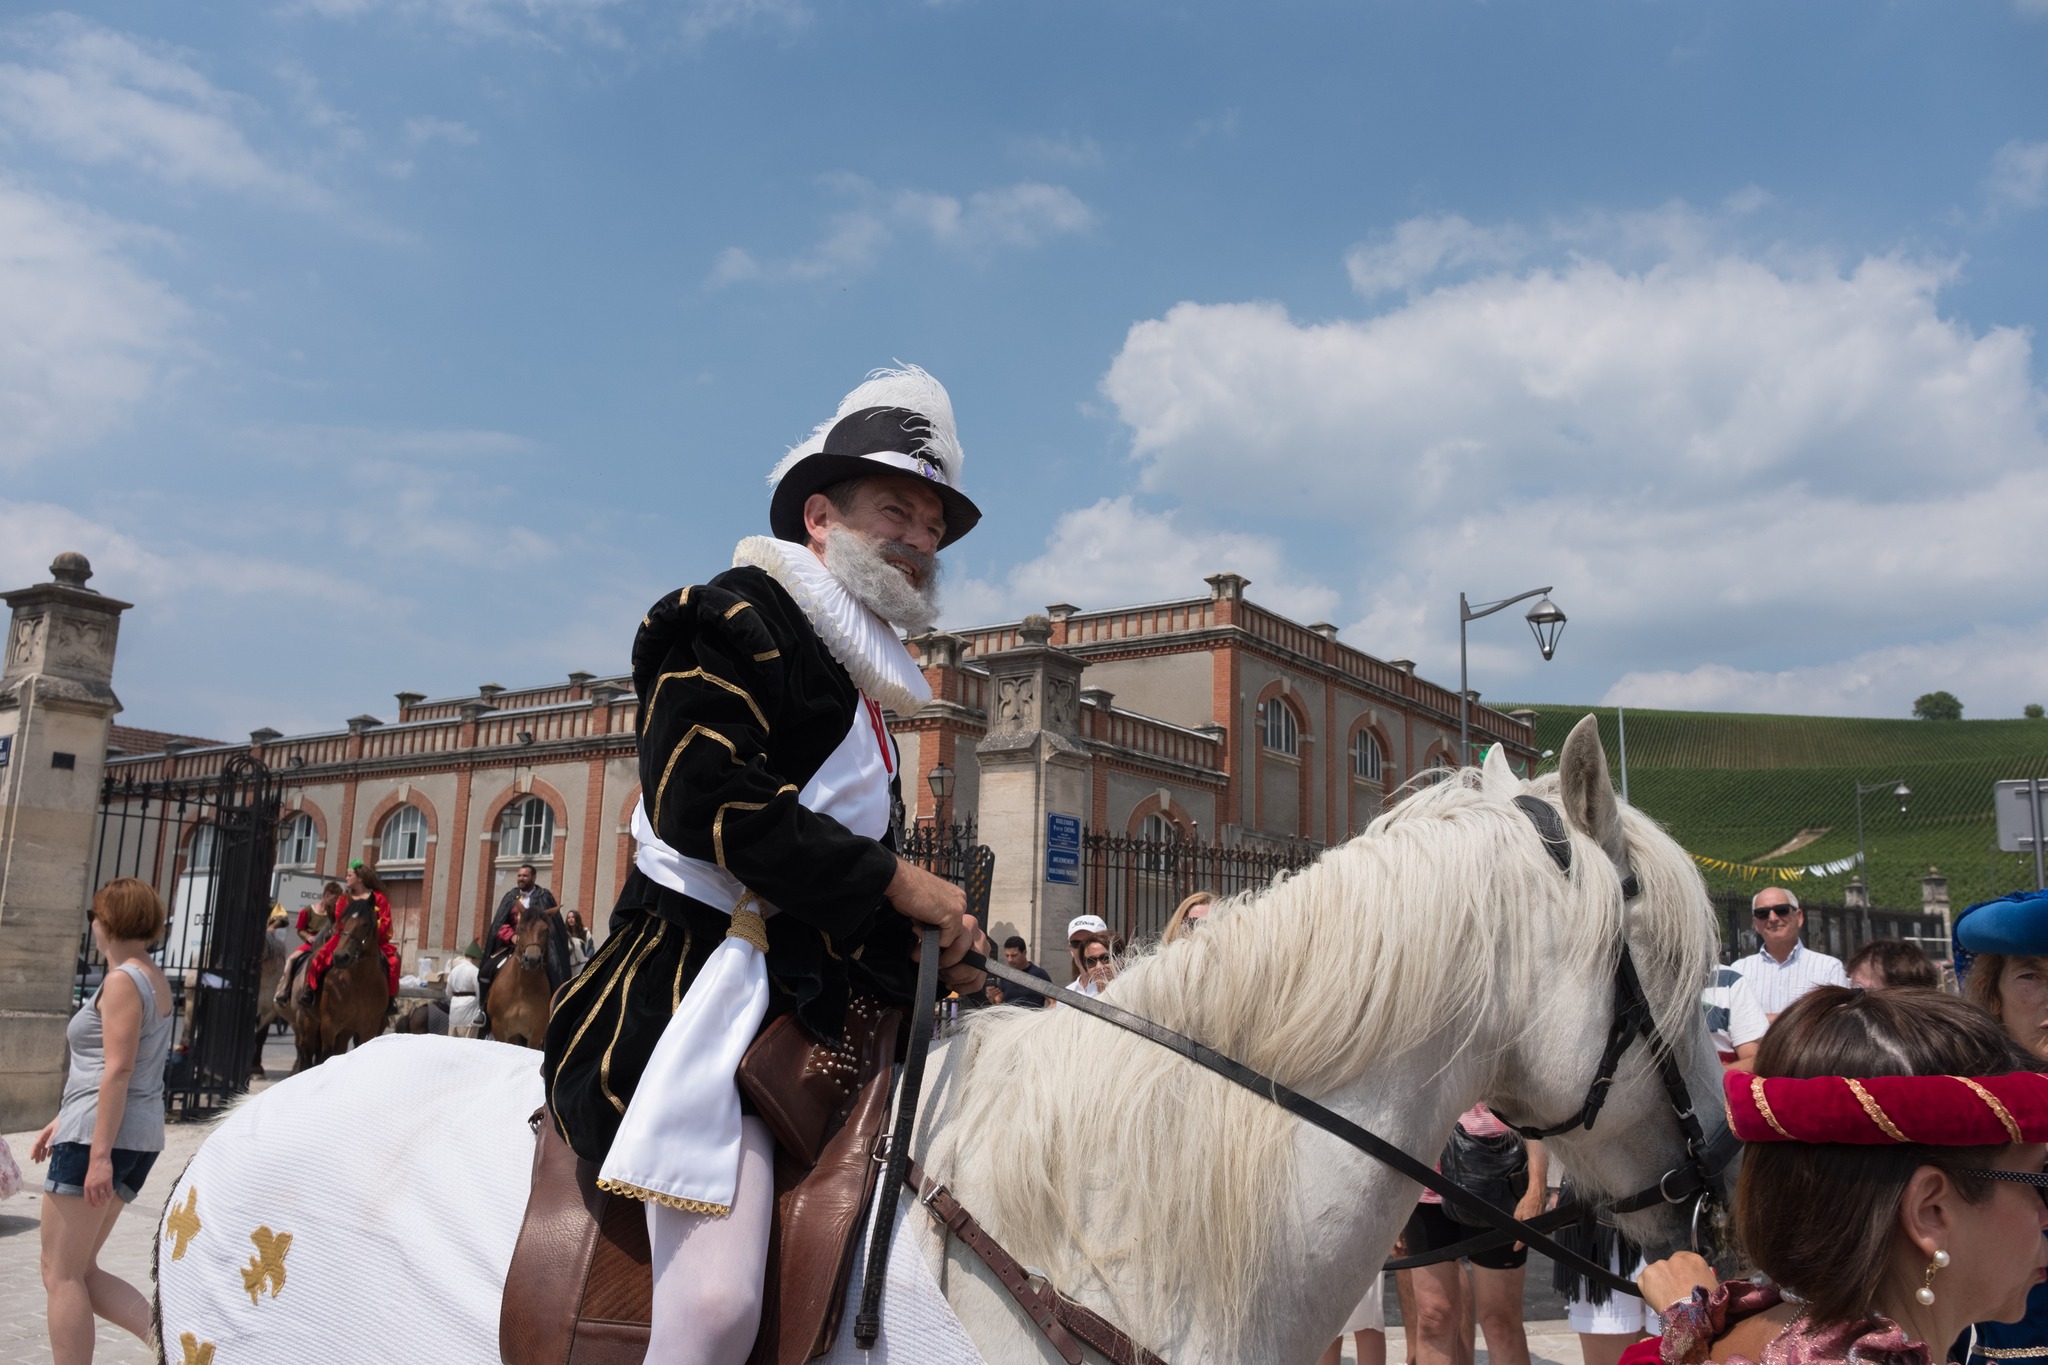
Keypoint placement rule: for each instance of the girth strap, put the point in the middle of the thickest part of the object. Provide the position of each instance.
(1056, 1315)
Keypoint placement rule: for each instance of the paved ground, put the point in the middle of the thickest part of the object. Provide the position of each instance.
(23, 1340)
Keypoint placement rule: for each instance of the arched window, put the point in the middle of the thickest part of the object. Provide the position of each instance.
(203, 855)
(1153, 831)
(298, 842)
(1278, 730)
(1156, 828)
(527, 829)
(1365, 756)
(404, 836)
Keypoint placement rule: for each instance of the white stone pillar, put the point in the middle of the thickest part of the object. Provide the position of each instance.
(1035, 779)
(56, 702)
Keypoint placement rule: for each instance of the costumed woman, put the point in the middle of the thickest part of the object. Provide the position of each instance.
(1892, 1190)
(364, 888)
(2003, 963)
(765, 880)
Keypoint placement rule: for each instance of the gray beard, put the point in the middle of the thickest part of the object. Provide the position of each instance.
(864, 566)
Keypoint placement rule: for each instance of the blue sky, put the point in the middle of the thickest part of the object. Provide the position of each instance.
(372, 345)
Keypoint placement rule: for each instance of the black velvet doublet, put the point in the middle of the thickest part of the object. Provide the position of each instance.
(740, 704)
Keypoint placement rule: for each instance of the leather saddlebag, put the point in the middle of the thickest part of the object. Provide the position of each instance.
(580, 1287)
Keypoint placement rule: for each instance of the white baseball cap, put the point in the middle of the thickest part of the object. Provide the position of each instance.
(1086, 924)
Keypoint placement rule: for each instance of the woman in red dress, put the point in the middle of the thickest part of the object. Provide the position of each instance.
(363, 886)
(1892, 1190)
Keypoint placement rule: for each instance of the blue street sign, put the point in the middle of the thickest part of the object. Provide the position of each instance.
(6, 749)
(1063, 849)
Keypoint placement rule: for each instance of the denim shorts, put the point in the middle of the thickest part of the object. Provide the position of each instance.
(69, 1160)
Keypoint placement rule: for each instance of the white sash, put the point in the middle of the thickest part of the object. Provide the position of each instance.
(679, 1143)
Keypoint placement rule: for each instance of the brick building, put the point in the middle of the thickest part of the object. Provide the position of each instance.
(1211, 718)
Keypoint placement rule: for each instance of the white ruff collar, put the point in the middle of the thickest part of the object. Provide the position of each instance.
(864, 644)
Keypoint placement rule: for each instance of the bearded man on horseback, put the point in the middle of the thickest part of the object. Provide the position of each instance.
(765, 881)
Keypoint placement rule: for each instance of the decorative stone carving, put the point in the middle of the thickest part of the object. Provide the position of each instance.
(1060, 710)
(1017, 703)
(25, 643)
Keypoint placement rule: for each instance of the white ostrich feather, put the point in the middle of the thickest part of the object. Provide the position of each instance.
(909, 387)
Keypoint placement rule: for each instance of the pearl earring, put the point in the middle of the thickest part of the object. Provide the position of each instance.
(1925, 1293)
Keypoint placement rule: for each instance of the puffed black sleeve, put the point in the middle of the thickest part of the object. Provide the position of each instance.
(714, 672)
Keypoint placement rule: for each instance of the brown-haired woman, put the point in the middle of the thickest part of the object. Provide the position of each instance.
(1889, 963)
(109, 1125)
(1892, 1182)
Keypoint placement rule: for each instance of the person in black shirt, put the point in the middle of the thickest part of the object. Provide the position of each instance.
(1017, 955)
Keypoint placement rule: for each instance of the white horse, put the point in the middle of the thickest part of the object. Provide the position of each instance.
(1439, 959)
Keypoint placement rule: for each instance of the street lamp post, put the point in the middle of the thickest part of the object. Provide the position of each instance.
(1544, 619)
(1863, 789)
(940, 780)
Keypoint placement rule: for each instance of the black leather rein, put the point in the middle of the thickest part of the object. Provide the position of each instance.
(1632, 1019)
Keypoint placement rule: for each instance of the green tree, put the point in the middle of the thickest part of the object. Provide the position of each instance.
(1937, 706)
(2033, 711)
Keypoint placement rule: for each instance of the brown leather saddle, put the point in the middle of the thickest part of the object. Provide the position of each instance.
(580, 1285)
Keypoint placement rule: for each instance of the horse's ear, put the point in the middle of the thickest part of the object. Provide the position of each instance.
(1497, 778)
(1588, 793)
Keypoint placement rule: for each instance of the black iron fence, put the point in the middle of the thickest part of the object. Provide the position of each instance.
(1837, 930)
(944, 850)
(1136, 884)
(207, 845)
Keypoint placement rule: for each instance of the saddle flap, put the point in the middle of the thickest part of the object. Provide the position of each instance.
(580, 1285)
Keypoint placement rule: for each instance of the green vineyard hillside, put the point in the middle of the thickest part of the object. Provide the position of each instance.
(1741, 787)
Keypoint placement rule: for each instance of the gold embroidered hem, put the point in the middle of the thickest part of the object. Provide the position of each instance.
(647, 1196)
(2011, 1352)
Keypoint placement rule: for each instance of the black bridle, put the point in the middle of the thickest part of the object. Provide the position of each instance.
(1691, 1181)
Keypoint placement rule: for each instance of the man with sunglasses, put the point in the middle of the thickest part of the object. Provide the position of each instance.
(1780, 971)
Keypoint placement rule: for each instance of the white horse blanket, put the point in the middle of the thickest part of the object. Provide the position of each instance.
(367, 1210)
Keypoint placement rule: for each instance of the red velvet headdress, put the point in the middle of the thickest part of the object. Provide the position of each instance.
(1940, 1111)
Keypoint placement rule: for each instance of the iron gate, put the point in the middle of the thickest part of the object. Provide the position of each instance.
(207, 845)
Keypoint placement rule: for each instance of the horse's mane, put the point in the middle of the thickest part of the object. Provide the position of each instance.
(1432, 918)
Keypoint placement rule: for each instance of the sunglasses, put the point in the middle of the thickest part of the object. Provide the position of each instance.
(1776, 912)
(1096, 961)
(2038, 1179)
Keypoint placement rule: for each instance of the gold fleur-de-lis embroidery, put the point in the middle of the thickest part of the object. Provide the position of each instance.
(181, 1225)
(267, 1265)
(197, 1352)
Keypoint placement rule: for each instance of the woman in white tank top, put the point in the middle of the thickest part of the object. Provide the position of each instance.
(110, 1126)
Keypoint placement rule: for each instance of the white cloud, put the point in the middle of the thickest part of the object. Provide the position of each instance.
(603, 23)
(84, 335)
(2019, 174)
(102, 97)
(1718, 456)
(1419, 248)
(1013, 217)
(1996, 670)
(157, 572)
(1115, 553)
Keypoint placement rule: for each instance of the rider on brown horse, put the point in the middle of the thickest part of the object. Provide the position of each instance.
(526, 894)
(364, 887)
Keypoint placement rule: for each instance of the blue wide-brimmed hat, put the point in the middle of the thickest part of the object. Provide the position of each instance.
(2016, 925)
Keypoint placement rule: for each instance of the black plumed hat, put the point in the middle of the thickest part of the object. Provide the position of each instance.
(899, 423)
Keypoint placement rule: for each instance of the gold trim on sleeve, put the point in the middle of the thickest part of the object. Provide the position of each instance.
(1877, 1115)
(661, 787)
(736, 608)
(596, 1008)
(766, 655)
(718, 820)
(654, 693)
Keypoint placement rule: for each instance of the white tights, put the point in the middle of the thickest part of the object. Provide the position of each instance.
(709, 1272)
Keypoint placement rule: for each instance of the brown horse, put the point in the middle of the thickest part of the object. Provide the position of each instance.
(354, 992)
(522, 996)
(278, 943)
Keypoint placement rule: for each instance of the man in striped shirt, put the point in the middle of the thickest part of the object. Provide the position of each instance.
(1779, 972)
